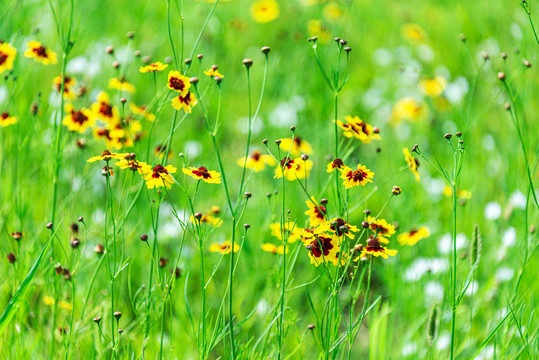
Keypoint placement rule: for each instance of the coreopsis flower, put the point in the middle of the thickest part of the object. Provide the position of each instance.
(360, 176)
(211, 72)
(186, 102)
(296, 146)
(225, 247)
(160, 176)
(287, 167)
(160, 151)
(153, 67)
(35, 50)
(104, 134)
(104, 110)
(319, 29)
(291, 232)
(409, 109)
(374, 248)
(201, 173)
(265, 11)
(413, 33)
(274, 249)
(336, 164)
(302, 171)
(342, 228)
(256, 161)
(412, 162)
(355, 127)
(121, 84)
(317, 213)
(461, 193)
(433, 87)
(107, 156)
(178, 83)
(6, 119)
(141, 111)
(130, 162)
(7, 56)
(413, 236)
(381, 228)
(78, 120)
(323, 248)
(69, 82)
(207, 219)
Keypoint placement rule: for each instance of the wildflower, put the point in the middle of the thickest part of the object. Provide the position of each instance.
(303, 169)
(360, 176)
(64, 305)
(323, 248)
(256, 161)
(121, 84)
(184, 102)
(104, 110)
(132, 164)
(207, 219)
(332, 11)
(461, 193)
(413, 236)
(341, 227)
(271, 248)
(291, 232)
(78, 120)
(316, 28)
(7, 56)
(296, 146)
(408, 108)
(107, 156)
(433, 87)
(142, 111)
(160, 151)
(265, 11)
(335, 164)
(153, 67)
(213, 72)
(160, 176)
(317, 213)
(381, 228)
(201, 173)
(6, 119)
(355, 127)
(225, 247)
(412, 162)
(69, 82)
(413, 33)
(374, 248)
(288, 168)
(40, 53)
(178, 82)
(17, 235)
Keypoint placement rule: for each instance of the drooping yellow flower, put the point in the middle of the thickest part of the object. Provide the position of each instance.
(104, 110)
(265, 11)
(274, 249)
(107, 156)
(256, 161)
(6, 119)
(295, 146)
(291, 232)
(142, 111)
(433, 87)
(213, 72)
(178, 83)
(78, 120)
(413, 236)
(40, 53)
(201, 173)
(409, 109)
(69, 82)
(381, 228)
(413, 33)
(412, 162)
(160, 176)
(317, 213)
(225, 247)
(121, 84)
(336, 164)
(184, 102)
(153, 67)
(360, 176)
(7, 56)
(317, 28)
(374, 248)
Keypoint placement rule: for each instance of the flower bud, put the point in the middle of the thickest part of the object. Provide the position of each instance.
(117, 315)
(110, 49)
(247, 195)
(144, 237)
(365, 224)
(265, 49)
(396, 190)
(247, 63)
(448, 136)
(501, 75)
(49, 225)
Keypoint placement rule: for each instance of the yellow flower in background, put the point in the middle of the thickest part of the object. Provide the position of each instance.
(121, 85)
(336, 164)
(6, 119)
(107, 156)
(332, 11)
(265, 11)
(291, 231)
(355, 127)
(317, 213)
(78, 120)
(374, 248)
(153, 67)
(317, 28)
(381, 228)
(49, 301)
(312, 2)
(207, 219)
(184, 102)
(413, 236)
(296, 146)
(360, 176)
(224, 247)
(213, 72)
(104, 110)
(201, 173)
(412, 162)
(178, 82)
(142, 111)
(408, 108)
(433, 87)
(413, 33)
(129, 162)
(7, 56)
(160, 176)
(40, 53)
(256, 161)
(274, 249)
(461, 193)
(69, 82)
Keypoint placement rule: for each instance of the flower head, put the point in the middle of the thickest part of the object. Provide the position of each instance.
(296, 146)
(287, 167)
(374, 248)
(409, 109)
(225, 247)
(341, 227)
(317, 213)
(107, 156)
(104, 110)
(178, 82)
(121, 84)
(207, 219)
(381, 228)
(433, 87)
(201, 173)
(160, 176)
(265, 11)
(413, 33)
(323, 248)
(256, 161)
(153, 67)
(211, 72)
(7, 56)
(360, 176)
(274, 249)
(78, 120)
(35, 50)
(6, 119)
(336, 164)
(69, 82)
(412, 162)
(184, 102)
(129, 162)
(413, 236)
(141, 111)
(355, 127)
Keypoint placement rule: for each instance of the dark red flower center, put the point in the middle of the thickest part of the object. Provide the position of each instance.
(79, 117)
(320, 211)
(340, 227)
(374, 245)
(3, 58)
(321, 245)
(287, 163)
(4, 115)
(176, 84)
(337, 163)
(41, 51)
(158, 170)
(256, 155)
(413, 232)
(105, 109)
(357, 175)
(202, 171)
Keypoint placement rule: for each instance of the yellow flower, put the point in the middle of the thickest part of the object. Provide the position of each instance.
(461, 193)
(69, 82)
(184, 102)
(224, 247)
(40, 53)
(293, 169)
(121, 85)
(153, 67)
(207, 219)
(433, 87)
(413, 236)
(104, 110)
(317, 213)
(302, 171)
(296, 146)
(106, 155)
(413, 33)
(160, 176)
(265, 11)
(7, 56)
(323, 248)
(178, 82)
(201, 173)
(213, 72)
(381, 228)
(335, 164)
(256, 161)
(341, 228)
(332, 11)
(353, 178)
(273, 249)
(64, 305)
(141, 110)
(359, 129)
(412, 162)
(6, 119)
(374, 248)
(317, 28)
(129, 162)
(78, 120)
(291, 231)
(408, 108)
